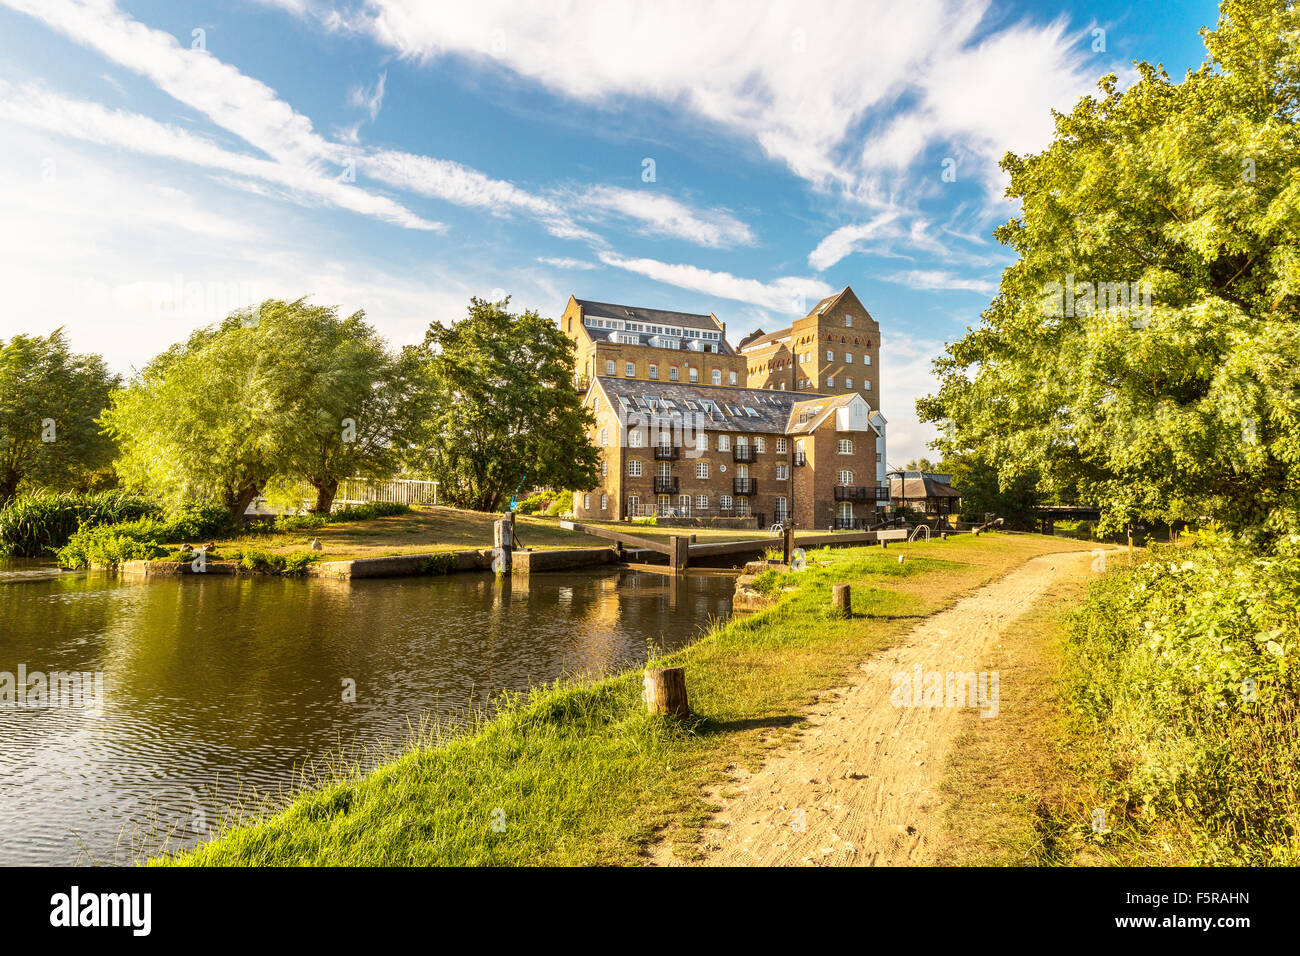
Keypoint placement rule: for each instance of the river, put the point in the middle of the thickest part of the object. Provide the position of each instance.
(218, 688)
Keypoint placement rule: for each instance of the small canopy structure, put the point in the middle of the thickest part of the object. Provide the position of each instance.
(924, 491)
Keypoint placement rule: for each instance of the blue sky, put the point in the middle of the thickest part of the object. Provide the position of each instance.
(164, 162)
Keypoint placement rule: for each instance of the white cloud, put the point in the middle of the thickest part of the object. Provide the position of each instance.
(563, 263)
(782, 74)
(849, 239)
(370, 99)
(661, 215)
(788, 295)
(933, 280)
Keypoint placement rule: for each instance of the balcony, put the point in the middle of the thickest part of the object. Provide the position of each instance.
(745, 454)
(800, 459)
(852, 524)
(872, 493)
(746, 486)
(668, 452)
(665, 485)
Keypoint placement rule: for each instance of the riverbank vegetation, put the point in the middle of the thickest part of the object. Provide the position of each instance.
(578, 773)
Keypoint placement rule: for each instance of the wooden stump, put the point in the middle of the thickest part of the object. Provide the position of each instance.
(841, 601)
(503, 545)
(665, 691)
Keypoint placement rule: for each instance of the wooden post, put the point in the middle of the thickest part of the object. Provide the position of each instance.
(787, 545)
(1130, 545)
(841, 601)
(681, 554)
(665, 691)
(503, 545)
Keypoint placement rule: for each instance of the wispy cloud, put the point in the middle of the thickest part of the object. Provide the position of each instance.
(661, 215)
(786, 295)
(564, 263)
(933, 280)
(369, 98)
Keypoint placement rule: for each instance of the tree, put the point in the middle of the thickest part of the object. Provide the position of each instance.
(982, 493)
(502, 408)
(283, 391)
(343, 403)
(49, 400)
(1142, 352)
(920, 464)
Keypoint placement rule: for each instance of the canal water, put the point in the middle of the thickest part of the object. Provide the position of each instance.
(220, 687)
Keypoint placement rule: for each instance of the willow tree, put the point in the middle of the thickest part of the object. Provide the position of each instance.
(1143, 352)
(502, 408)
(50, 397)
(284, 391)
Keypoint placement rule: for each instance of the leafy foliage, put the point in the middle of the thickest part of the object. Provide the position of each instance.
(32, 525)
(501, 408)
(109, 545)
(1190, 407)
(1185, 678)
(49, 399)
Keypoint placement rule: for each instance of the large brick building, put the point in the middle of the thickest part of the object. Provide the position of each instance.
(786, 429)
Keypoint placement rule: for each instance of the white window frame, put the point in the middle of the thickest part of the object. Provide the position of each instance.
(609, 366)
(844, 477)
(724, 443)
(654, 371)
(604, 502)
(629, 369)
(724, 502)
(717, 376)
(701, 469)
(844, 446)
(634, 468)
(731, 377)
(673, 374)
(780, 446)
(830, 355)
(634, 438)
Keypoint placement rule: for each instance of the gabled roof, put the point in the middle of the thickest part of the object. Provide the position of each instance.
(761, 340)
(772, 407)
(918, 485)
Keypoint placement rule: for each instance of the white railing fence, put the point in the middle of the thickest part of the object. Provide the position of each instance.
(360, 491)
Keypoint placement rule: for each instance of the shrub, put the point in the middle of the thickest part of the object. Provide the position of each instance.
(1184, 674)
(534, 504)
(254, 559)
(33, 525)
(555, 507)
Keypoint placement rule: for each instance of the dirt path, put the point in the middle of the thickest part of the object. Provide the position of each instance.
(860, 787)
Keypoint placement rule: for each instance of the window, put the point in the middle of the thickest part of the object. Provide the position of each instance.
(780, 446)
(724, 443)
(782, 509)
(866, 360)
(732, 378)
(586, 502)
(673, 373)
(701, 469)
(633, 468)
(830, 381)
(742, 506)
(604, 502)
(724, 502)
(845, 478)
(702, 502)
(830, 355)
(844, 446)
(866, 384)
(782, 472)
(595, 404)
(848, 358)
(848, 382)
(684, 504)
(609, 366)
(604, 437)
(604, 468)
(633, 504)
(702, 443)
(717, 376)
(848, 321)
(654, 371)
(634, 439)
(629, 369)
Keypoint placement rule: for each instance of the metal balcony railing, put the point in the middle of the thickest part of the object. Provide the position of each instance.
(665, 485)
(668, 452)
(745, 454)
(800, 459)
(746, 486)
(861, 493)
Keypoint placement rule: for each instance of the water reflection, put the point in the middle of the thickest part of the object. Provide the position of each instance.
(223, 684)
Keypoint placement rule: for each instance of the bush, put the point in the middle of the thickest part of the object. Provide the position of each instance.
(1184, 675)
(366, 512)
(106, 545)
(555, 507)
(253, 559)
(534, 504)
(33, 525)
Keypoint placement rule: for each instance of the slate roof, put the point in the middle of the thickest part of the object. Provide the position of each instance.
(773, 408)
(918, 485)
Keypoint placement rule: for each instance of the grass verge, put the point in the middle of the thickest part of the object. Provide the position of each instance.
(579, 774)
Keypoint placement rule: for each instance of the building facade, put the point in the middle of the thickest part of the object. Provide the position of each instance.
(786, 429)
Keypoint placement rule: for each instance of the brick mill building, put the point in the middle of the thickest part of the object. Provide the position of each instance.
(787, 428)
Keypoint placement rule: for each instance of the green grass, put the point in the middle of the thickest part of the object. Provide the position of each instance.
(577, 773)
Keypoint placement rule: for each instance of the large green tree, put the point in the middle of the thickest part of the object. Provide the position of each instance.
(502, 408)
(49, 400)
(282, 391)
(1143, 353)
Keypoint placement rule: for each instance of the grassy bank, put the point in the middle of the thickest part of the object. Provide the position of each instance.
(578, 774)
(1154, 723)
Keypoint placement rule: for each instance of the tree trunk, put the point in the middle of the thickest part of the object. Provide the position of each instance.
(239, 501)
(8, 486)
(325, 492)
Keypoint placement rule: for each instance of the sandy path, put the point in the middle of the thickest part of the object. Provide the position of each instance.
(860, 787)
